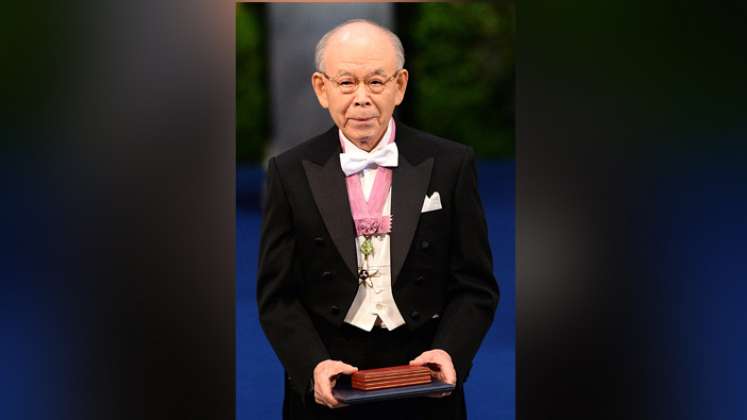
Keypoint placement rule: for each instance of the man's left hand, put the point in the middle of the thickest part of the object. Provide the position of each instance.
(441, 366)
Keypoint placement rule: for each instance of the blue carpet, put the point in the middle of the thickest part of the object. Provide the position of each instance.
(490, 390)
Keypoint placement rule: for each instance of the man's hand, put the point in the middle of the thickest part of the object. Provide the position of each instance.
(325, 377)
(441, 366)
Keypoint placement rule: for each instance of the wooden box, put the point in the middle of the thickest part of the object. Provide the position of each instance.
(390, 377)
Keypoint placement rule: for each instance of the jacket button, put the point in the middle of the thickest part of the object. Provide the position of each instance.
(414, 314)
(319, 241)
(425, 245)
(419, 280)
(327, 275)
(334, 309)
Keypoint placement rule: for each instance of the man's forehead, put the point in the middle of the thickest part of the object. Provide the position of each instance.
(342, 71)
(369, 59)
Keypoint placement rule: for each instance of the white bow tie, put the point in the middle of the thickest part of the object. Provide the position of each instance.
(352, 163)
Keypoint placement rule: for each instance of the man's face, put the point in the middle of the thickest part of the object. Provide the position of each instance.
(360, 52)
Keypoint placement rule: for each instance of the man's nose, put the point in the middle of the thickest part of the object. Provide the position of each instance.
(362, 97)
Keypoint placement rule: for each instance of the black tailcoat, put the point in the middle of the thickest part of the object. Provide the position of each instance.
(441, 265)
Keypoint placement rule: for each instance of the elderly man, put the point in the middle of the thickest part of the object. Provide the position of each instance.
(374, 248)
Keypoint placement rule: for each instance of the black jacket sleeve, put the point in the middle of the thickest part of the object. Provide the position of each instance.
(472, 291)
(284, 319)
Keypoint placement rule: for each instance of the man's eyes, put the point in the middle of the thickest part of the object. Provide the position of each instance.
(346, 82)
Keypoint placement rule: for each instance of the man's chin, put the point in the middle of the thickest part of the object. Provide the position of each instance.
(367, 132)
(365, 138)
(362, 137)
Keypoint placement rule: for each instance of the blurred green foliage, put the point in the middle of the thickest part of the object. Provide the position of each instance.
(461, 65)
(252, 119)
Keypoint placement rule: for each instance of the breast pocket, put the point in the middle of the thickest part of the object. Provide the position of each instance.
(434, 224)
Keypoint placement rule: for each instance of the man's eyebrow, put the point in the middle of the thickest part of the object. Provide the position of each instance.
(379, 71)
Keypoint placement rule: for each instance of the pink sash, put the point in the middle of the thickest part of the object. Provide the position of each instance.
(367, 215)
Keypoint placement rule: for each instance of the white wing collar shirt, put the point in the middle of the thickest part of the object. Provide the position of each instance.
(374, 306)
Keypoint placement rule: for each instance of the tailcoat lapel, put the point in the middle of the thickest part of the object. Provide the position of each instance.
(410, 182)
(327, 183)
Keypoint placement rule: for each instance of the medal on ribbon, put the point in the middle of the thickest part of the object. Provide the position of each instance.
(367, 215)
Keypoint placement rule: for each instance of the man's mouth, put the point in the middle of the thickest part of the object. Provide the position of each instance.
(362, 119)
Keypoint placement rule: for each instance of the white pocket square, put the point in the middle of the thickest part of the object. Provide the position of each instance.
(431, 203)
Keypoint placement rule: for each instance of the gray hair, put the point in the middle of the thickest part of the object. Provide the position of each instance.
(322, 44)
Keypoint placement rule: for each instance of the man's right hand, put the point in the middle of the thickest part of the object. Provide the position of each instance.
(325, 378)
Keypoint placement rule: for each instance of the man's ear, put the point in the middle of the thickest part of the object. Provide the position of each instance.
(401, 86)
(320, 89)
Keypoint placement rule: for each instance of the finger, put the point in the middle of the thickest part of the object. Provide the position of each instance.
(325, 392)
(345, 368)
(438, 376)
(446, 375)
(422, 359)
(329, 379)
(321, 400)
(322, 390)
(331, 401)
(327, 395)
(318, 396)
(450, 378)
(434, 366)
(437, 362)
(449, 373)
